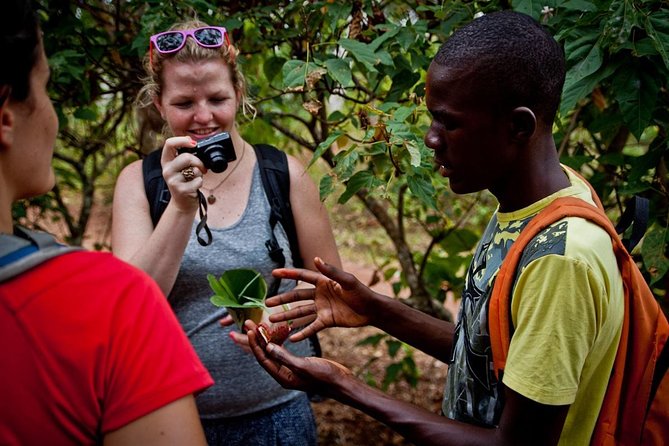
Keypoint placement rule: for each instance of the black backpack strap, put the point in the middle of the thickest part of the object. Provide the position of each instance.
(273, 164)
(635, 216)
(154, 185)
(159, 196)
(27, 249)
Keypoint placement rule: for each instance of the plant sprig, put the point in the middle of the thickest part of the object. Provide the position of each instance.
(238, 288)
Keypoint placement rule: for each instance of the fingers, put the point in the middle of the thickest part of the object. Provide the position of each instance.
(305, 275)
(258, 351)
(273, 362)
(241, 340)
(346, 280)
(295, 295)
(307, 331)
(185, 167)
(226, 321)
(173, 144)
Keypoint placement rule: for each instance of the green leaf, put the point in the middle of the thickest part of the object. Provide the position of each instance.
(238, 288)
(588, 65)
(575, 50)
(295, 71)
(340, 71)
(414, 151)
(254, 286)
(644, 47)
(403, 81)
(636, 92)
(325, 187)
(273, 66)
(657, 27)
(224, 301)
(324, 146)
(575, 90)
(346, 163)
(376, 43)
(220, 288)
(402, 113)
(362, 179)
(372, 340)
(652, 252)
(86, 113)
(617, 30)
(579, 5)
(422, 188)
(392, 373)
(393, 347)
(365, 54)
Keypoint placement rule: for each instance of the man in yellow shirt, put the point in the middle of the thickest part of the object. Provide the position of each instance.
(493, 90)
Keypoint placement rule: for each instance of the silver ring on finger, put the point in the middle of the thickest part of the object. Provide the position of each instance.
(188, 173)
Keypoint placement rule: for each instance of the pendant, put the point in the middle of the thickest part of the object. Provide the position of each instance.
(211, 199)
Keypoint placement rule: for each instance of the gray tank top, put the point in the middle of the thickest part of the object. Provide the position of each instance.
(241, 385)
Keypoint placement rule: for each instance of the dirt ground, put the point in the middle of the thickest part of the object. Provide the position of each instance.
(341, 425)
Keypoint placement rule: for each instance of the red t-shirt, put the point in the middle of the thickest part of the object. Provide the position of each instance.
(88, 344)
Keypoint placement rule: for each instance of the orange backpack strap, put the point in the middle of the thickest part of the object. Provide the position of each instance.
(499, 313)
(631, 382)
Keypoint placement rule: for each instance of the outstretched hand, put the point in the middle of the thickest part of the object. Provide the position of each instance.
(295, 372)
(338, 299)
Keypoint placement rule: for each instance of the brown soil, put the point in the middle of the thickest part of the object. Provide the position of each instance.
(341, 425)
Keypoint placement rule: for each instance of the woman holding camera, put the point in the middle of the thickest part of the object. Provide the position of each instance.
(196, 85)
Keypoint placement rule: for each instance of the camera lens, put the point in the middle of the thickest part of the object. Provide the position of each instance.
(215, 160)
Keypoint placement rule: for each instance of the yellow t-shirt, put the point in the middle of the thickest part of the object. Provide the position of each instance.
(567, 310)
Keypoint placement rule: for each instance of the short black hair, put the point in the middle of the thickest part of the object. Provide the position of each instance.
(19, 41)
(516, 60)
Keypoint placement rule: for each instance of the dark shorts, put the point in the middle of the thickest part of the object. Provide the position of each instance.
(289, 424)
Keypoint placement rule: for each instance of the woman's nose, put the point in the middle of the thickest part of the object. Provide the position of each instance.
(202, 114)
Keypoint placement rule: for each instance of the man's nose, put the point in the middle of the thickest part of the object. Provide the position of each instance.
(431, 139)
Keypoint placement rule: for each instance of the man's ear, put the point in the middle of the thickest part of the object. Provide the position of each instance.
(523, 123)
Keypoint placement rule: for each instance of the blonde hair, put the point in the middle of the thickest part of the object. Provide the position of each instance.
(153, 81)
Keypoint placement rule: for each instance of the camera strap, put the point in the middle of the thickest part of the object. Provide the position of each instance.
(203, 221)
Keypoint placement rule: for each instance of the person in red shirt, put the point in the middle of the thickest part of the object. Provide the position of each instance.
(91, 351)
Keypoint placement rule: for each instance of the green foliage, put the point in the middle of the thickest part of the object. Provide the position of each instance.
(242, 292)
(403, 369)
(344, 83)
(613, 117)
(238, 288)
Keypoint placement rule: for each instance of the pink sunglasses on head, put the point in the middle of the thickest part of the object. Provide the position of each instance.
(172, 41)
